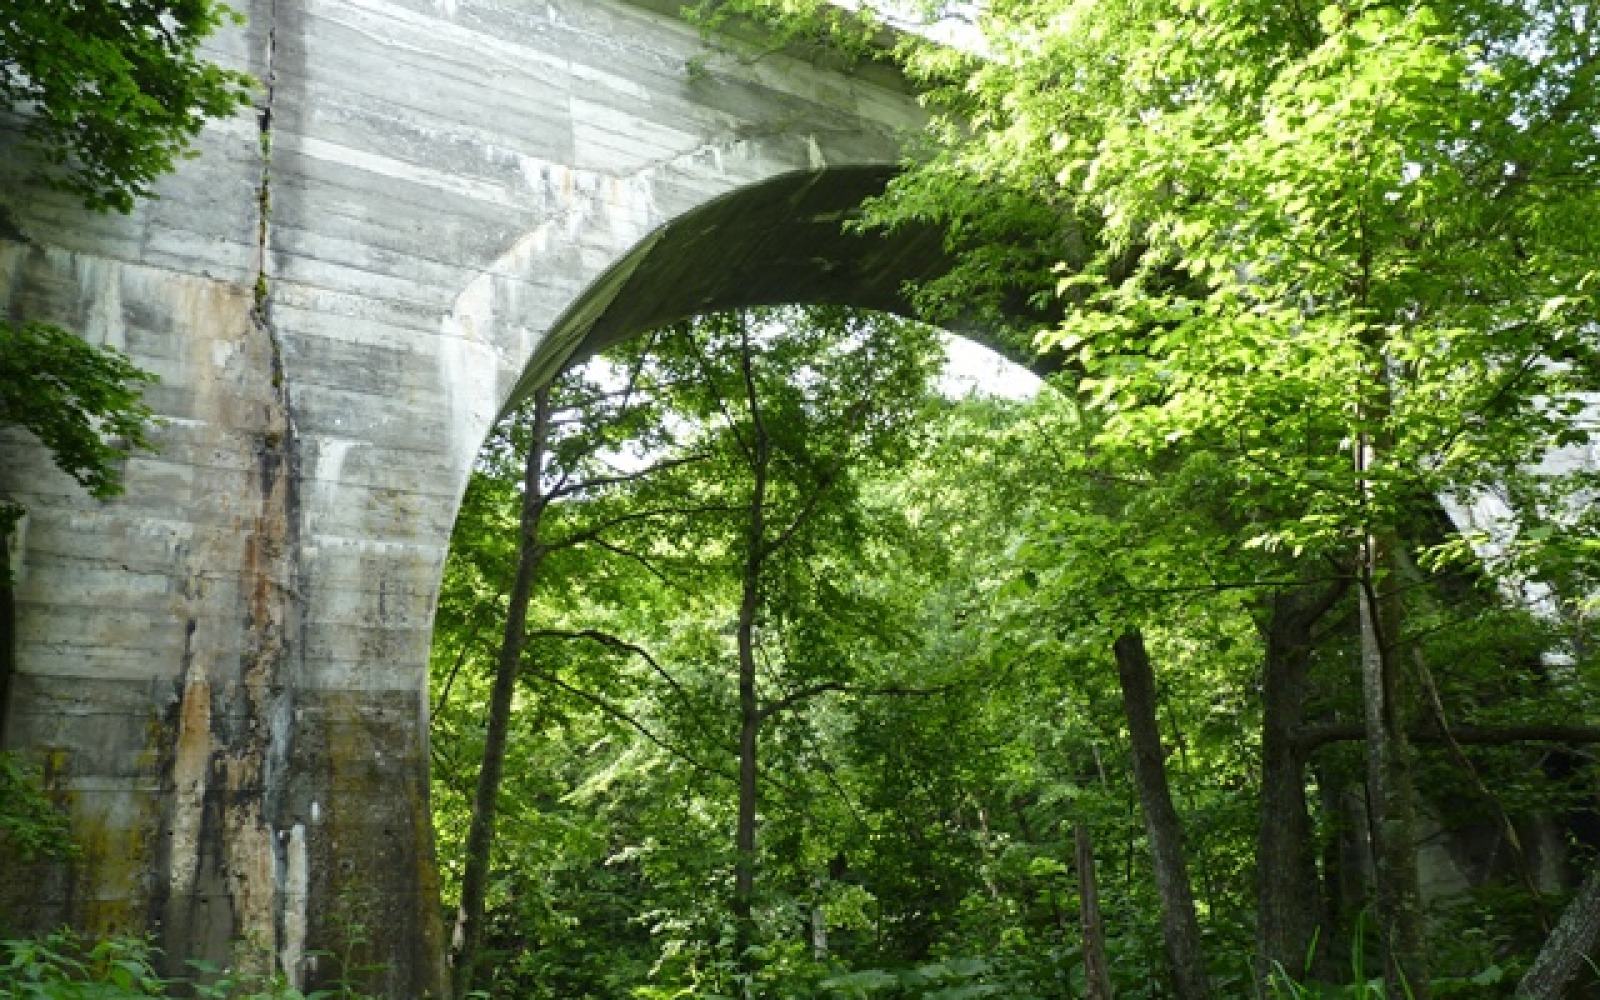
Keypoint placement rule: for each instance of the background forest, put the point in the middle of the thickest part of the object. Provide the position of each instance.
(828, 684)
(1252, 658)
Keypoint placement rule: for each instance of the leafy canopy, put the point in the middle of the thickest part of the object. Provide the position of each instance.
(81, 401)
(114, 92)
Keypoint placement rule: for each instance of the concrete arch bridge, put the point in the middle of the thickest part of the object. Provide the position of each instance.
(435, 203)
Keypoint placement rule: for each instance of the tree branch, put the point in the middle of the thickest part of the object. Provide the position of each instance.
(615, 642)
(790, 700)
(649, 566)
(793, 528)
(628, 720)
(601, 482)
(593, 533)
(1313, 738)
(461, 658)
(711, 385)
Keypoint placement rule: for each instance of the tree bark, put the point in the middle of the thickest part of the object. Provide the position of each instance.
(749, 729)
(1096, 971)
(1180, 925)
(1566, 949)
(744, 872)
(8, 633)
(1289, 912)
(819, 921)
(1346, 860)
(468, 936)
(1390, 793)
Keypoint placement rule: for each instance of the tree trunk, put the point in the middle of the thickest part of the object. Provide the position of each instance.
(1289, 913)
(1096, 972)
(819, 921)
(749, 727)
(1391, 797)
(1180, 926)
(468, 935)
(744, 872)
(1346, 862)
(1569, 945)
(8, 621)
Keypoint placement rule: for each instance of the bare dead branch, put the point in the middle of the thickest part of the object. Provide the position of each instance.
(1313, 738)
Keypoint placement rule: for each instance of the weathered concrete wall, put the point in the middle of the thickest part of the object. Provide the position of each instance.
(435, 202)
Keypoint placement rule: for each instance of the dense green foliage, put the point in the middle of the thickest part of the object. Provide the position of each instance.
(1306, 270)
(30, 825)
(114, 92)
(1311, 269)
(62, 965)
(916, 825)
(81, 401)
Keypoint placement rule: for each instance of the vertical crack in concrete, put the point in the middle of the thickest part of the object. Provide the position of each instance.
(264, 189)
(277, 915)
(225, 864)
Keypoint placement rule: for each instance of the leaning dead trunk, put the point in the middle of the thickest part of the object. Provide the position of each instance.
(480, 835)
(1096, 972)
(1180, 926)
(1567, 949)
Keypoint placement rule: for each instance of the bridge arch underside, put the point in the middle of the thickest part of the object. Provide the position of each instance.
(785, 241)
